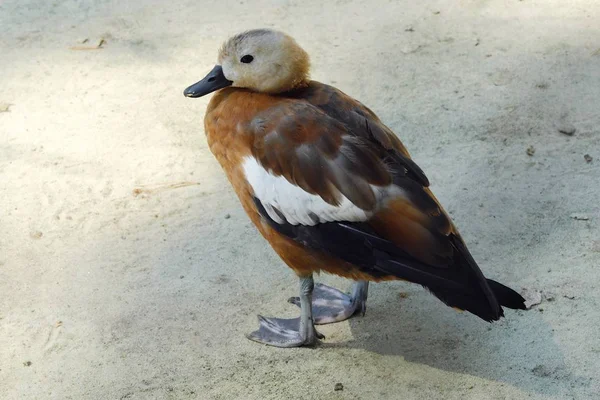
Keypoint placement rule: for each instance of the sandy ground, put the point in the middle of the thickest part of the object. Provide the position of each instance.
(129, 271)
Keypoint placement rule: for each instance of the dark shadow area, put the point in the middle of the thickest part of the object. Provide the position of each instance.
(519, 350)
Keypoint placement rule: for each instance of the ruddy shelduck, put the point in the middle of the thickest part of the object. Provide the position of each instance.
(331, 188)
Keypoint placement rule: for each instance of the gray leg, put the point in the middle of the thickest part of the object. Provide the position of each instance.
(331, 305)
(294, 332)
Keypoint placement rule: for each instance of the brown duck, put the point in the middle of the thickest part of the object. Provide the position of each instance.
(332, 189)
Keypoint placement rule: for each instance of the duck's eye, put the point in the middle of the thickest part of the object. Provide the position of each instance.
(247, 59)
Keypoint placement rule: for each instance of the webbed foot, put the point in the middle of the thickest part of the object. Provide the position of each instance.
(282, 332)
(331, 305)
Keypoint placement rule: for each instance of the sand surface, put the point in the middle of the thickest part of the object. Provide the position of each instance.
(129, 271)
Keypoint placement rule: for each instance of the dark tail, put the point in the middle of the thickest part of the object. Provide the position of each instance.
(506, 296)
(475, 301)
(480, 296)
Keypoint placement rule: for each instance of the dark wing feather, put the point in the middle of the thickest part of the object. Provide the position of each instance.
(362, 123)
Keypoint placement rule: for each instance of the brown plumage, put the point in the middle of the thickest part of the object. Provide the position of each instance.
(332, 188)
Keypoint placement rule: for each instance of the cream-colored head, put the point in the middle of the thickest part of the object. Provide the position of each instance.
(264, 60)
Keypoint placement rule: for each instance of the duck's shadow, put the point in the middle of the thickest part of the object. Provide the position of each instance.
(519, 350)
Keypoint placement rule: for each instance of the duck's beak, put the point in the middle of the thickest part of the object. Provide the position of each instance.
(215, 80)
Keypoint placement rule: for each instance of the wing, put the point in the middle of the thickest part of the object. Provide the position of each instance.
(328, 174)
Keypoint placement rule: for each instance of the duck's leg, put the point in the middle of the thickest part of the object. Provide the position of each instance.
(331, 305)
(294, 332)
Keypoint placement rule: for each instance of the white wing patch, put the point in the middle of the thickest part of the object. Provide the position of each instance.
(295, 206)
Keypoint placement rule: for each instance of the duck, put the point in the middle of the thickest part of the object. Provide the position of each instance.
(332, 189)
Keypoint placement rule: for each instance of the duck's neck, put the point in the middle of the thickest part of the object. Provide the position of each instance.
(292, 86)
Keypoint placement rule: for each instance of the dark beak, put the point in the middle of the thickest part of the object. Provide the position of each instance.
(215, 80)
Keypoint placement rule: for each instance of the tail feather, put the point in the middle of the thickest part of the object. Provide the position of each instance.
(506, 296)
(474, 302)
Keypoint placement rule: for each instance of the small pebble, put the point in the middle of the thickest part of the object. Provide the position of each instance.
(530, 150)
(27, 363)
(227, 216)
(532, 297)
(567, 129)
(338, 386)
(588, 158)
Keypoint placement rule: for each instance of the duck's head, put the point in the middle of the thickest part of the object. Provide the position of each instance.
(261, 60)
